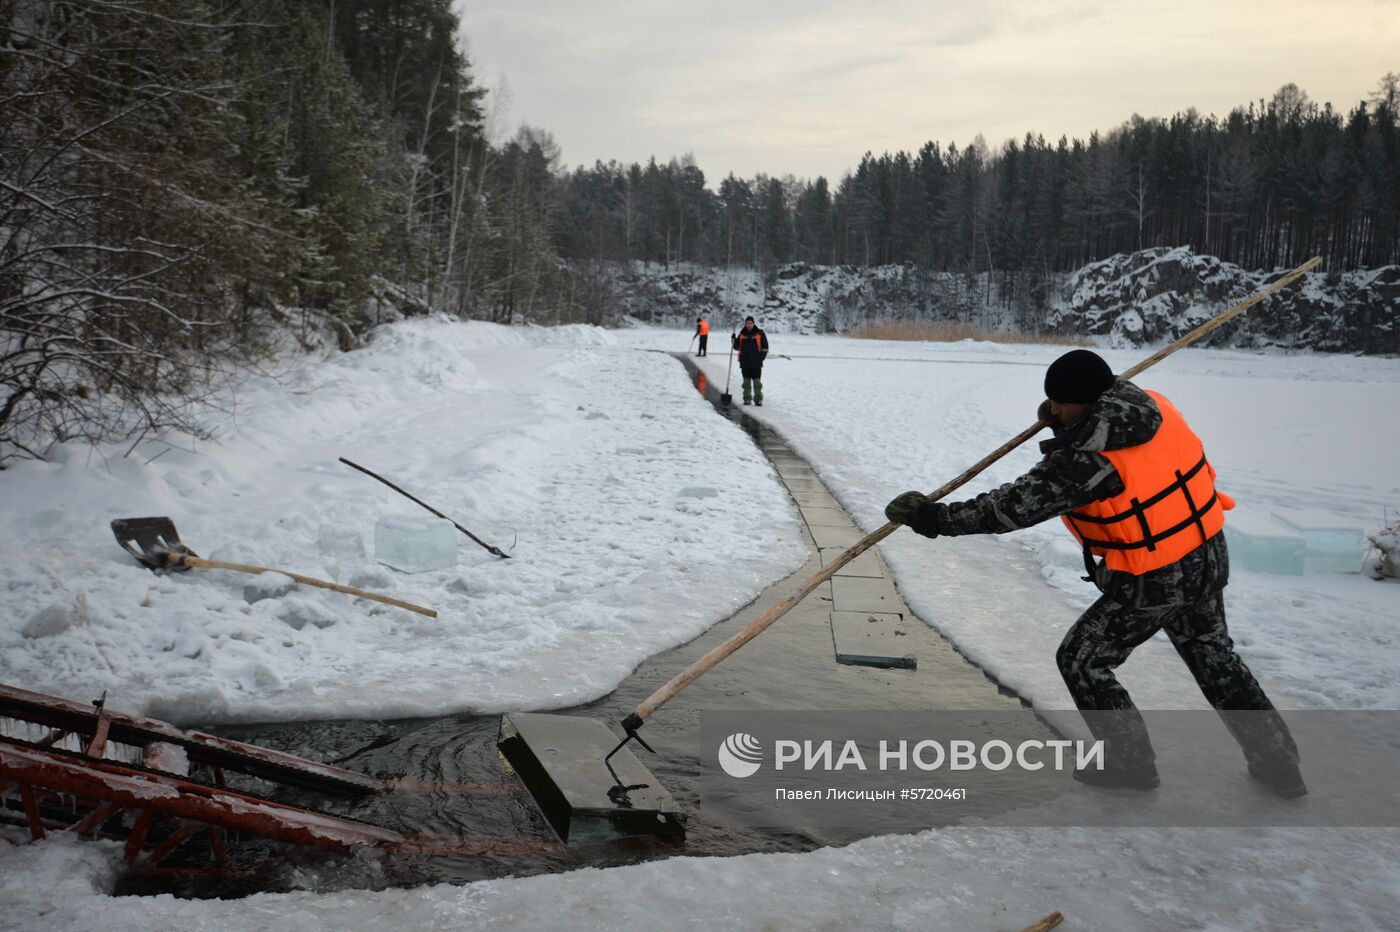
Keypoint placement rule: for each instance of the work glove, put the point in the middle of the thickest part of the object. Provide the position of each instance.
(923, 517)
(903, 509)
(1043, 414)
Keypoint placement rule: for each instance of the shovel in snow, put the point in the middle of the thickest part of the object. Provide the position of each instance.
(156, 545)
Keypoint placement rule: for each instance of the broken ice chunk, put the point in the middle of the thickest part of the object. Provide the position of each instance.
(415, 545)
(299, 612)
(170, 758)
(698, 491)
(1331, 544)
(1263, 544)
(267, 586)
(57, 618)
(340, 538)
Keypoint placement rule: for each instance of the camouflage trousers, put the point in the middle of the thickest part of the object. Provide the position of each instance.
(1103, 637)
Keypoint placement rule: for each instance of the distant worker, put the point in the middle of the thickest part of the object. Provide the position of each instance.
(1132, 483)
(752, 344)
(702, 330)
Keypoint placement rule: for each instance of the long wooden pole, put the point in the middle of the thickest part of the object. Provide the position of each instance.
(183, 559)
(490, 548)
(693, 672)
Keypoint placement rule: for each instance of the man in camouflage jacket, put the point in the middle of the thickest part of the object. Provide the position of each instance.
(1183, 598)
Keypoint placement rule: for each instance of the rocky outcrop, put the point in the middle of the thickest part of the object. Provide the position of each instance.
(1156, 295)
(1143, 298)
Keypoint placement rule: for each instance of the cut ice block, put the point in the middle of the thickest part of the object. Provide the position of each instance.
(863, 565)
(872, 639)
(1331, 543)
(856, 594)
(415, 545)
(1263, 544)
(340, 538)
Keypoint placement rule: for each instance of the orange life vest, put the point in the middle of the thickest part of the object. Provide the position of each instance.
(1169, 505)
(704, 328)
(756, 336)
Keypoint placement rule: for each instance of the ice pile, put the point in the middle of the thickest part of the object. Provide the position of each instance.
(1331, 544)
(1289, 541)
(415, 544)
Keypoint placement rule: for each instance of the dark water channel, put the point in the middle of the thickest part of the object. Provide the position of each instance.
(456, 790)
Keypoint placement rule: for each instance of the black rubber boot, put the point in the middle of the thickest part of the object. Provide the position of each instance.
(1283, 778)
(1142, 777)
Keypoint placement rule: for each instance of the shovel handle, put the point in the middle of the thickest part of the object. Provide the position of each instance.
(186, 560)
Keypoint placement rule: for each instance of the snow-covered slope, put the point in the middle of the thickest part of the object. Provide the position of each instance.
(1159, 294)
(1128, 300)
(801, 298)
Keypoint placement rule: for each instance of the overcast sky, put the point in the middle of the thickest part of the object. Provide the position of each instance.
(807, 86)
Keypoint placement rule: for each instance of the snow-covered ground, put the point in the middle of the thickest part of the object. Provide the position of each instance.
(969, 880)
(609, 513)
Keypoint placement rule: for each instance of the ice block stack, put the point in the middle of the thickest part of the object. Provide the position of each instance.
(1292, 540)
(1263, 544)
(1331, 544)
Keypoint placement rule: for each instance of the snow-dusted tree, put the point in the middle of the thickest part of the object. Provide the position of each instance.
(116, 218)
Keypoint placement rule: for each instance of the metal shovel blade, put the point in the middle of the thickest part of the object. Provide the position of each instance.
(563, 762)
(151, 541)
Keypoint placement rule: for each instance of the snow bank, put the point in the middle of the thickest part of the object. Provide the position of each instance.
(967, 879)
(577, 449)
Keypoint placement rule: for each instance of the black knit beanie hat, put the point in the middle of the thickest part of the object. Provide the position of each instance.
(1077, 377)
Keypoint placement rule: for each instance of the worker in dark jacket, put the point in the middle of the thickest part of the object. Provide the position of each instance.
(752, 344)
(1133, 485)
